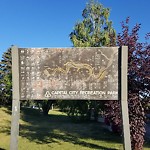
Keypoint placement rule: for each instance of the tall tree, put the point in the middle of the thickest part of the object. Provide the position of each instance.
(90, 32)
(6, 78)
(95, 30)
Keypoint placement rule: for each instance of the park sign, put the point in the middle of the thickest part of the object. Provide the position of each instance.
(68, 73)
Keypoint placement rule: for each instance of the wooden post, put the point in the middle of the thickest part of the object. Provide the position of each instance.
(124, 97)
(16, 100)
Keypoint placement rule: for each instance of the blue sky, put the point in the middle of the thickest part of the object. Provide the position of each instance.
(47, 23)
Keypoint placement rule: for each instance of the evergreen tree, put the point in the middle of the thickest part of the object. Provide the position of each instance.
(95, 30)
(6, 78)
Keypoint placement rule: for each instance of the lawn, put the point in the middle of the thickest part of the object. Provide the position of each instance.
(57, 132)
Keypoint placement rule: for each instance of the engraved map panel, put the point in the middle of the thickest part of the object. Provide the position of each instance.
(69, 73)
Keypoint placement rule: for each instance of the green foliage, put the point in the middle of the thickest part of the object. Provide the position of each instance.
(6, 78)
(80, 110)
(6, 63)
(95, 30)
(77, 110)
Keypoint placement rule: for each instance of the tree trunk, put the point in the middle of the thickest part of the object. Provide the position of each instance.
(46, 105)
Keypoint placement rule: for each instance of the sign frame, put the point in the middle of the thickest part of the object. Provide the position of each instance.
(69, 73)
(123, 94)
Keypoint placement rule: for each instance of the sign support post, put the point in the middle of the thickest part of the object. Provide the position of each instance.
(16, 100)
(124, 97)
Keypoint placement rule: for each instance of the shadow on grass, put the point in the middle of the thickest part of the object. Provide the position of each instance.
(52, 128)
(8, 110)
(5, 128)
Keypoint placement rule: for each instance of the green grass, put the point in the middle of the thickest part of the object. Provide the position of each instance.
(57, 132)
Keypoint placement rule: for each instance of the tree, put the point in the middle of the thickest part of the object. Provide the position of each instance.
(95, 30)
(90, 32)
(6, 78)
(46, 105)
(138, 83)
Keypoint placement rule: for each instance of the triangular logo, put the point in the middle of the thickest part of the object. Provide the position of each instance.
(48, 94)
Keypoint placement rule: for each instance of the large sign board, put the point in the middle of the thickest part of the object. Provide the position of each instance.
(68, 73)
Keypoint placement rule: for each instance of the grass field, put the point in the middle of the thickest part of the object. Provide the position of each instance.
(57, 132)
